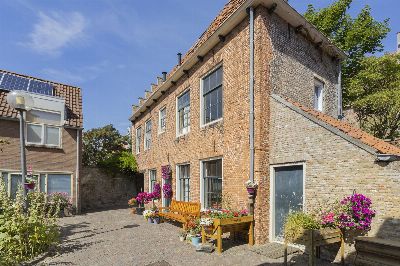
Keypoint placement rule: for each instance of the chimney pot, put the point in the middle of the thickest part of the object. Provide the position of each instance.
(179, 59)
(164, 76)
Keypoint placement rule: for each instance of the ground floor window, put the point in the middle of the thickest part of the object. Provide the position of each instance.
(212, 184)
(45, 182)
(184, 182)
(152, 179)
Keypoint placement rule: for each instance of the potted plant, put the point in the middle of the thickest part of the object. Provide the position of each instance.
(148, 215)
(141, 199)
(29, 183)
(207, 224)
(155, 217)
(182, 235)
(195, 231)
(251, 187)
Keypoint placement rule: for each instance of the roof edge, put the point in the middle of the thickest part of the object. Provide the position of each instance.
(330, 128)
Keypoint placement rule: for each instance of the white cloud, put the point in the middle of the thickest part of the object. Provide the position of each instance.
(56, 31)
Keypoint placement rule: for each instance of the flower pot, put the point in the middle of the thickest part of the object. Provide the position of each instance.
(29, 185)
(150, 220)
(251, 190)
(208, 229)
(156, 220)
(139, 210)
(196, 240)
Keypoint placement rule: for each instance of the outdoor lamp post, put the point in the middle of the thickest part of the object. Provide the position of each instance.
(22, 102)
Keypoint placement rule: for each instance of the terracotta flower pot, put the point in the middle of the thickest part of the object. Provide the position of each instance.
(251, 190)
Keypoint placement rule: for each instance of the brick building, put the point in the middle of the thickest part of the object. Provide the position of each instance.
(200, 120)
(53, 135)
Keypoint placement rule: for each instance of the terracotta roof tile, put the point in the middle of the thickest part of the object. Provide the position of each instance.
(71, 94)
(380, 145)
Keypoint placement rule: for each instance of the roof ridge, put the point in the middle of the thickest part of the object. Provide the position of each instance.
(378, 144)
(38, 79)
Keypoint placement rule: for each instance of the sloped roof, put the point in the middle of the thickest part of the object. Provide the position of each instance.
(71, 94)
(381, 146)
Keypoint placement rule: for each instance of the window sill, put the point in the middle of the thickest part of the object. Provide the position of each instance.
(212, 124)
(43, 146)
(161, 132)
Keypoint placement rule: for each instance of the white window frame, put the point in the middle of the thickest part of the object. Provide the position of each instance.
(39, 174)
(138, 139)
(202, 124)
(152, 171)
(178, 183)
(145, 135)
(160, 129)
(319, 86)
(202, 179)
(185, 130)
(272, 195)
(43, 135)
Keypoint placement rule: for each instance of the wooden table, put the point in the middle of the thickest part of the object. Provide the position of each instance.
(232, 225)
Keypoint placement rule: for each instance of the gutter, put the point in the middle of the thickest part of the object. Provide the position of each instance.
(251, 96)
(77, 171)
(387, 157)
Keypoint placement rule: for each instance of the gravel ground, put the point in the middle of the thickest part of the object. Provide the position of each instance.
(116, 237)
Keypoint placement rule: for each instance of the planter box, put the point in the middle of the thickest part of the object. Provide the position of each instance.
(232, 225)
(314, 238)
(377, 251)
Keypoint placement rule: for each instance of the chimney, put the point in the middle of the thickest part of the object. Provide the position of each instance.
(179, 59)
(159, 80)
(398, 42)
(164, 76)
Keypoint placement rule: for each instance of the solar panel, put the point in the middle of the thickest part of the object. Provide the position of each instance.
(13, 82)
(41, 87)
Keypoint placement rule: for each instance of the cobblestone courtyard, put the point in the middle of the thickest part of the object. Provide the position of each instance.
(116, 237)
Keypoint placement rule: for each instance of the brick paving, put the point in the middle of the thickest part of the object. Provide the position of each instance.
(116, 237)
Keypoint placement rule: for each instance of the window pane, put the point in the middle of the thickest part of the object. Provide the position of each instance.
(42, 183)
(213, 184)
(184, 100)
(138, 139)
(34, 133)
(153, 179)
(44, 117)
(16, 181)
(212, 101)
(148, 134)
(53, 136)
(5, 179)
(184, 182)
(58, 183)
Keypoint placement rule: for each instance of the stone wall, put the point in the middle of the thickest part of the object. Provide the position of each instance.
(103, 190)
(335, 167)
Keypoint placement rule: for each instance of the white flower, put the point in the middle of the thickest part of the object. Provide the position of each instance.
(206, 221)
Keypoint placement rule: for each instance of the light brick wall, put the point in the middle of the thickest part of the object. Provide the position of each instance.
(42, 160)
(296, 62)
(336, 167)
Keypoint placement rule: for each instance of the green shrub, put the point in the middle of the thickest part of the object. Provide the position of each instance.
(296, 222)
(23, 236)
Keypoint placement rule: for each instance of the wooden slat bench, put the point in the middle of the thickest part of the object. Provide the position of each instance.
(181, 211)
(377, 251)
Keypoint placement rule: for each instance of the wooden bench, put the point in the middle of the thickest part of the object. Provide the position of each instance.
(181, 211)
(377, 251)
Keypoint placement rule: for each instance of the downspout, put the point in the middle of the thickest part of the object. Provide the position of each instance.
(77, 171)
(340, 93)
(251, 14)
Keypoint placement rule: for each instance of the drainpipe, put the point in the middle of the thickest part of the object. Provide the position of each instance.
(77, 171)
(251, 14)
(340, 93)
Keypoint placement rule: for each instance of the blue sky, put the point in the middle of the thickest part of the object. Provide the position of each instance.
(114, 49)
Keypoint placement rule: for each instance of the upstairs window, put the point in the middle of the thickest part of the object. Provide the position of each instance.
(43, 128)
(162, 120)
(138, 139)
(212, 97)
(318, 95)
(183, 115)
(147, 135)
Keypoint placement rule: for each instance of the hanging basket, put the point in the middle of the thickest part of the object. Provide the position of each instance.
(30, 186)
(251, 190)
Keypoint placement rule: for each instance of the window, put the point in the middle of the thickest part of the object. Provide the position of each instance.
(152, 179)
(212, 96)
(147, 135)
(318, 95)
(43, 128)
(161, 120)
(212, 184)
(47, 183)
(138, 139)
(184, 182)
(183, 113)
